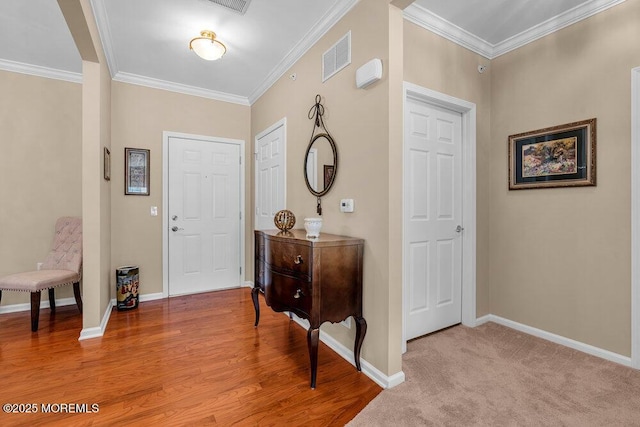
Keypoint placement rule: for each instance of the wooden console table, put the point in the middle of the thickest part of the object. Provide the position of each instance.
(318, 279)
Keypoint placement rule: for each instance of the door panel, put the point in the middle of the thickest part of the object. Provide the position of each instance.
(419, 277)
(204, 211)
(270, 175)
(433, 210)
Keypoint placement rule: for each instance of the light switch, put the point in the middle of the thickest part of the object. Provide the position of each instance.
(154, 211)
(346, 205)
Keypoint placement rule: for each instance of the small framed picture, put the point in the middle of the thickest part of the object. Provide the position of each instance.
(107, 164)
(559, 156)
(328, 175)
(136, 171)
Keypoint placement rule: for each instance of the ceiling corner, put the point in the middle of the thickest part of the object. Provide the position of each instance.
(332, 17)
(432, 22)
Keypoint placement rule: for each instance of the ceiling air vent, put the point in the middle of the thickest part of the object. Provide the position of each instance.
(239, 6)
(337, 57)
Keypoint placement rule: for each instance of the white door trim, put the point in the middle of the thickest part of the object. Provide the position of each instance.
(635, 218)
(280, 123)
(165, 200)
(468, 111)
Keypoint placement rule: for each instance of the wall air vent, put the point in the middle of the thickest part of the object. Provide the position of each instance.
(239, 6)
(337, 57)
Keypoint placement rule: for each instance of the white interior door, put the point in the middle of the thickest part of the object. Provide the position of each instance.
(432, 217)
(203, 215)
(312, 167)
(270, 149)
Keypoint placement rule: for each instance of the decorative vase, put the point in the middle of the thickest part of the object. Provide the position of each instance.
(313, 226)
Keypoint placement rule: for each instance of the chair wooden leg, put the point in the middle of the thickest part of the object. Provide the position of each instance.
(35, 310)
(52, 300)
(76, 294)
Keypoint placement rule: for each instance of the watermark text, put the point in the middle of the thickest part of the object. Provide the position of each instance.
(51, 408)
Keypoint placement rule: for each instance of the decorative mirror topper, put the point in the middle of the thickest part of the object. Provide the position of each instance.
(321, 151)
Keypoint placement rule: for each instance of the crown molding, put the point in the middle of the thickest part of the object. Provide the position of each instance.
(102, 22)
(179, 88)
(432, 22)
(333, 15)
(36, 70)
(311, 38)
(571, 16)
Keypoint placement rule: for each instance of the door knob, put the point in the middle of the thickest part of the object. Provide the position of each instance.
(174, 228)
(459, 229)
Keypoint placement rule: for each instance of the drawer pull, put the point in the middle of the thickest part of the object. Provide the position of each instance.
(298, 260)
(299, 293)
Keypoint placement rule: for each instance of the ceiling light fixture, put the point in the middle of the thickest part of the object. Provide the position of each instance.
(207, 47)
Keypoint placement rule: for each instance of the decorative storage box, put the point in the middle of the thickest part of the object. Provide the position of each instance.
(127, 282)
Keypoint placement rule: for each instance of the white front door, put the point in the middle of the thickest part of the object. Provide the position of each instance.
(270, 147)
(432, 217)
(203, 215)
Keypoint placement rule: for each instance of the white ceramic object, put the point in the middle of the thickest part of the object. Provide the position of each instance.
(313, 226)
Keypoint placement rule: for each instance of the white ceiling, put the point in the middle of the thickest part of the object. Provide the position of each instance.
(146, 41)
(494, 27)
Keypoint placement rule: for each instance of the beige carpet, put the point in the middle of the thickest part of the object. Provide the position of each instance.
(495, 376)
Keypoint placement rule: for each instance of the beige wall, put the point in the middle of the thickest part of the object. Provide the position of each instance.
(438, 64)
(139, 116)
(358, 120)
(554, 259)
(560, 258)
(40, 179)
(96, 130)
(105, 191)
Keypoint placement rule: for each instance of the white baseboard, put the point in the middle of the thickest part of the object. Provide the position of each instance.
(14, 308)
(151, 297)
(484, 319)
(368, 369)
(567, 342)
(143, 298)
(98, 331)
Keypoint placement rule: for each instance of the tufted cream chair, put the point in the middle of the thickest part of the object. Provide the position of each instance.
(63, 266)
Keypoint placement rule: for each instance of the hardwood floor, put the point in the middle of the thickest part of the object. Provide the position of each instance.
(193, 360)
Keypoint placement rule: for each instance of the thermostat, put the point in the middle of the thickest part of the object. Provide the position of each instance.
(346, 205)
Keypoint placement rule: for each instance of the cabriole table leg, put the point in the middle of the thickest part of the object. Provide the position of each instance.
(361, 331)
(312, 343)
(256, 304)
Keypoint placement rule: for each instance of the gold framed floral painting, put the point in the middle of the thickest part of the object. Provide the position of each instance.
(558, 156)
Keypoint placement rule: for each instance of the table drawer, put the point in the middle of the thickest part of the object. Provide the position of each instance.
(290, 258)
(286, 292)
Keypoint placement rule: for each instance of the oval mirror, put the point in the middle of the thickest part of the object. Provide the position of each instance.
(320, 164)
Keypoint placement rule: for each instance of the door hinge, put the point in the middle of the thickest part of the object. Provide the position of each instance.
(240, 160)
(241, 271)
(240, 215)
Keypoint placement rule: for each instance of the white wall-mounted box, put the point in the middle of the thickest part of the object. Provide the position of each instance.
(369, 73)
